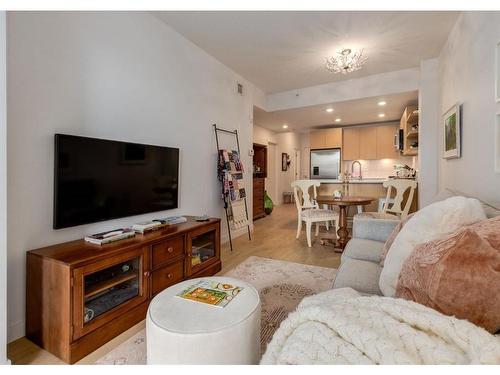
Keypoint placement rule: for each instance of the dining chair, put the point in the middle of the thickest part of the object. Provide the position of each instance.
(393, 208)
(308, 209)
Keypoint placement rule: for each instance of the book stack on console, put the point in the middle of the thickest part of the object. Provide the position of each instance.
(146, 226)
(111, 236)
(172, 220)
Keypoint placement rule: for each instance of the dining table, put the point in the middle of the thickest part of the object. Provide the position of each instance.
(343, 203)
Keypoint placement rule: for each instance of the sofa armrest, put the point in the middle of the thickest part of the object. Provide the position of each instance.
(373, 229)
(359, 275)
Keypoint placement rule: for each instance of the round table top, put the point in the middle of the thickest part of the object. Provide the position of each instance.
(350, 200)
(176, 314)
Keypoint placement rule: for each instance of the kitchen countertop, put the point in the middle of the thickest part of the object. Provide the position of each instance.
(363, 181)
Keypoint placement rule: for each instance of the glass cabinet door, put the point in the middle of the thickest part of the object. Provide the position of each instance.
(102, 291)
(108, 288)
(203, 248)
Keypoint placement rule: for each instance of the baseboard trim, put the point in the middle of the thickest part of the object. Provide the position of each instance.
(15, 331)
(235, 234)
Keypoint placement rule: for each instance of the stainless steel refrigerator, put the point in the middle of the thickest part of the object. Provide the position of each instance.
(325, 164)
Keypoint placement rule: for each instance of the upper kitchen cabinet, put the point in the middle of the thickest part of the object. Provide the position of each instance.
(350, 146)
(385, 142)
(316, 139)
(368, 143)
(333, 138)
(325, 138)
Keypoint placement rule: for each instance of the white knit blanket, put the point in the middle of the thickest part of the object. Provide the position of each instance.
(342, 327)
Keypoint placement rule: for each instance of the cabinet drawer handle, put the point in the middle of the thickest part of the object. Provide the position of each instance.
(170, 249)
(169, 275)
(146, 273)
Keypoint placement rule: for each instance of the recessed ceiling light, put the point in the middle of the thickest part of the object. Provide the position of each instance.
(285, 126)
(381, 103)
(381, 115)
(329, 110)
(338, 119)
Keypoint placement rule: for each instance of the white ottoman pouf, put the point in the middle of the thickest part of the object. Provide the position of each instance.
(180, 331)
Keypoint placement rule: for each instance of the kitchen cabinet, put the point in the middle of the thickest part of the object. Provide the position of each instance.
(350, 145)
(385, 142)
(333, 138)
(317, 139)
(368, 143)
(325, 138)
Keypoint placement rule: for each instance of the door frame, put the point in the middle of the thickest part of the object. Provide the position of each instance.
(296, 167)
(274, 172)
(3, 192)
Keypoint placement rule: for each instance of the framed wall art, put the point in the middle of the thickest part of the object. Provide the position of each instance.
(452, 130)
(285, 161)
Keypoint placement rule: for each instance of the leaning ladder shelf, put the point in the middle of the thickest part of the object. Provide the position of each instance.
(235, 134)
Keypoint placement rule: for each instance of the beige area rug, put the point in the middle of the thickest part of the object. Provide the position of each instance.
(281, 285)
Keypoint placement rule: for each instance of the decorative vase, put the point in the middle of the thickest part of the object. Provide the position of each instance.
(268, 204)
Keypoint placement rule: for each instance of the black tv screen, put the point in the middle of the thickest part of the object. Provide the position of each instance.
(97, 179)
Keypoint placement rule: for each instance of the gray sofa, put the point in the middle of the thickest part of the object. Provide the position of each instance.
(360, 262)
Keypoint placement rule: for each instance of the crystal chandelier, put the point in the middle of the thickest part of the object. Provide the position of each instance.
(347, 61)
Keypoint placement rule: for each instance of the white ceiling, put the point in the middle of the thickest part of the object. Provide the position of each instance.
(280, 50)
(352, 112)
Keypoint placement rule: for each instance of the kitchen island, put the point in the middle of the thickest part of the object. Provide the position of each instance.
(353, 181)
(366, 187)
(369, 187)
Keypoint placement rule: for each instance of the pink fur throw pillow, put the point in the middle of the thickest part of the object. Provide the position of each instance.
(392, 237)
(458, 275)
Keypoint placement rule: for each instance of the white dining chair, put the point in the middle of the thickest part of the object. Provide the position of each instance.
(392, 207)
(308, 209)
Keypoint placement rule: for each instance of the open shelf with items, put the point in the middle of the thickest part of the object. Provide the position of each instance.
(410, 125)
(412, 134)
(106, 285)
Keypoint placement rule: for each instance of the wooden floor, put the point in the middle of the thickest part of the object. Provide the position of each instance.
(273, 237)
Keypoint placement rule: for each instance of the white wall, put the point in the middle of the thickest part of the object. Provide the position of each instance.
(287, 143)
(305, 152)
(3, 194)
(467, 77)
(262, 135)
(115, 75)
(429, 105)
(350, 89)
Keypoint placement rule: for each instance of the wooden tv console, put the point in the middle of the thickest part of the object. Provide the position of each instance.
(79, 295)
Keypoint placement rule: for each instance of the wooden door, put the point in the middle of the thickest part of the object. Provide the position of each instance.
(317, 139)
(109, 288)
(203, 248)
(385, 142)
(333, 138)
(350, 144)
(368, 143)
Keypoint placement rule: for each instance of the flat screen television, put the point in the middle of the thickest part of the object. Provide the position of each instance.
(97, 179)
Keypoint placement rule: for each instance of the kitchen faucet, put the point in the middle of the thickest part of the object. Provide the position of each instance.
(352, 169)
